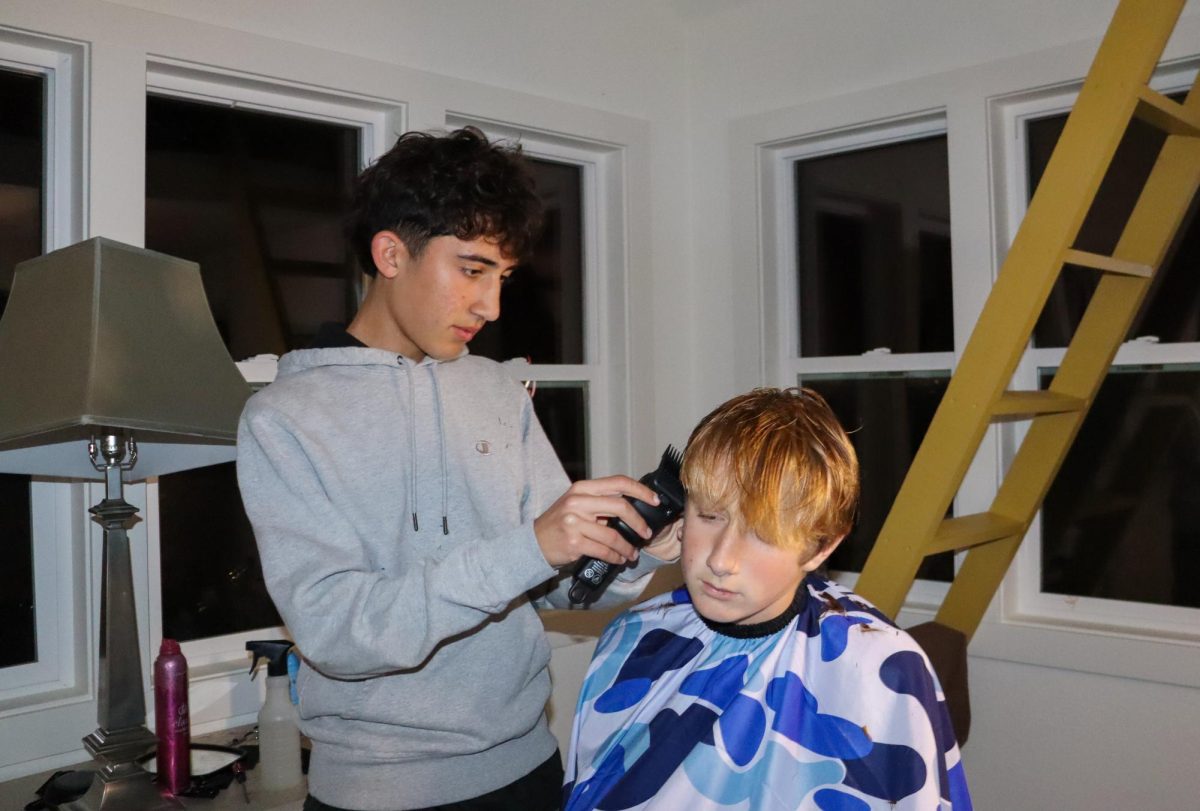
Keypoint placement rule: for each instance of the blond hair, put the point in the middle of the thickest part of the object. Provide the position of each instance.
(780, 463)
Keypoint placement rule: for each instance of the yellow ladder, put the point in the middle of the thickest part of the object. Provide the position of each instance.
(1114, 91)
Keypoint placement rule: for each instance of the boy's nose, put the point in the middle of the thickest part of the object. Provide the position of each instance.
(488, 305)
(722, 558)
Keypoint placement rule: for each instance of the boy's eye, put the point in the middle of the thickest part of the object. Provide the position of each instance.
(707, 516)
(473, 272)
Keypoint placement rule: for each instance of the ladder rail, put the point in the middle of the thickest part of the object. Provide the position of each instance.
(1111, 93)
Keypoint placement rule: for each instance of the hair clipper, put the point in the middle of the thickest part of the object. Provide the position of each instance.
(592, 576)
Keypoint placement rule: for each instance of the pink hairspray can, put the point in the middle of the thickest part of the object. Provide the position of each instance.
(171, 722)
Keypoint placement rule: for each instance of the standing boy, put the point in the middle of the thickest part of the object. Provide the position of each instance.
(405, 499)
(762, 685)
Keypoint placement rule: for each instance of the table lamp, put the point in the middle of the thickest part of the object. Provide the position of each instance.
(112, 369)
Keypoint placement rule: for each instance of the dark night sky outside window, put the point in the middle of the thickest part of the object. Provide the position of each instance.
(1171, 310)
(541, 313)
(562, 411)
(1122, 519)
(874, 250)
(886, 416)
(22, 145)
(874, 271)
(542, 304)
(258, 200)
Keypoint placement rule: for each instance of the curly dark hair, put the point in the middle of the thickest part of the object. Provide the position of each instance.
(457, 185)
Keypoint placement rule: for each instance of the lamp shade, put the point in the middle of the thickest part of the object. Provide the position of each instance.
(102, 338)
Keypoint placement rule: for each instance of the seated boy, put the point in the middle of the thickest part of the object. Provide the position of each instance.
(762, 685)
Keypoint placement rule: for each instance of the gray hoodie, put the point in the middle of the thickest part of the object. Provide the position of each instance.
(393, 504)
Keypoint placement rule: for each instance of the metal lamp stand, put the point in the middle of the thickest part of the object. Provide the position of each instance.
(121, 784)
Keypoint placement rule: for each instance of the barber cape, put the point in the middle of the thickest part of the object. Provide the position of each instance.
(838, 710)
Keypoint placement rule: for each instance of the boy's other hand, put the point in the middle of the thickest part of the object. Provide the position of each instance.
(574, 526)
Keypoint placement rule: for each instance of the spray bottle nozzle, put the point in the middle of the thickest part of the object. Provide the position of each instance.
(275, 651)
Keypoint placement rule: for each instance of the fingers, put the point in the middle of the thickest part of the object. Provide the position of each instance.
(566, 536)
(599, 508)
(616, 486)
(575, 525)
(602, 542)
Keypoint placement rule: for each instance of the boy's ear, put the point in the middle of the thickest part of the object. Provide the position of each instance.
(815, 562)
(389, 253)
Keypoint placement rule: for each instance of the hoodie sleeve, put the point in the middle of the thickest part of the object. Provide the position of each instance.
(350, 619)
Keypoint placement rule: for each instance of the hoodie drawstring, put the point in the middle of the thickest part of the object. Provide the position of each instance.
(437, 393)
(412, 439)
(412, 442)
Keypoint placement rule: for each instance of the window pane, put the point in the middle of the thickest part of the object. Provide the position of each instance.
(258, 200)
(1170, 308)
(1122, 519)
(542, 304)
(21, 171)
(16, 575)
(562, 410)
(22, 137)
(873, 229)
(212, 581)
(886, 416)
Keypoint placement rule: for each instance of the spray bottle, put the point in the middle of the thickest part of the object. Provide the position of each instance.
(171, 723)
(278, 721)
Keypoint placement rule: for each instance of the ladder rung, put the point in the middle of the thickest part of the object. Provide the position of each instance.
(972, 530)
(1108, 264)
(1014, 405)
(1169, 116)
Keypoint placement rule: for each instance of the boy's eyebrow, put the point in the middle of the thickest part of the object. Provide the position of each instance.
(483, 260)
(474, 257)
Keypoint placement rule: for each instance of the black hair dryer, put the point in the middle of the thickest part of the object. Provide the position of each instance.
(592, 576)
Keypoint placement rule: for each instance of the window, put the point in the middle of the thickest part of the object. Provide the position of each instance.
(251, 180)
(258, 200)
(41, 602)
(1116, 541)
(871, 326)
(22, 148)
(542, 313)
(553, 313)
(46, 697)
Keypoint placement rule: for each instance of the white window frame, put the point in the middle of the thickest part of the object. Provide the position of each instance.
(780, 292)
(1023, 600)
(60, 672)
(53, 698)
(218, 664)
(604, 372)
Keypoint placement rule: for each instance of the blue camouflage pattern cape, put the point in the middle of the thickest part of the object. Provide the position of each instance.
(839, 711)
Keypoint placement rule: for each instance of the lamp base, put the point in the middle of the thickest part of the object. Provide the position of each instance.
(123, 787)
(117, 746)
(120, 783)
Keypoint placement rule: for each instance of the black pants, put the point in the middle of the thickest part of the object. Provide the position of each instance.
(540, 790)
